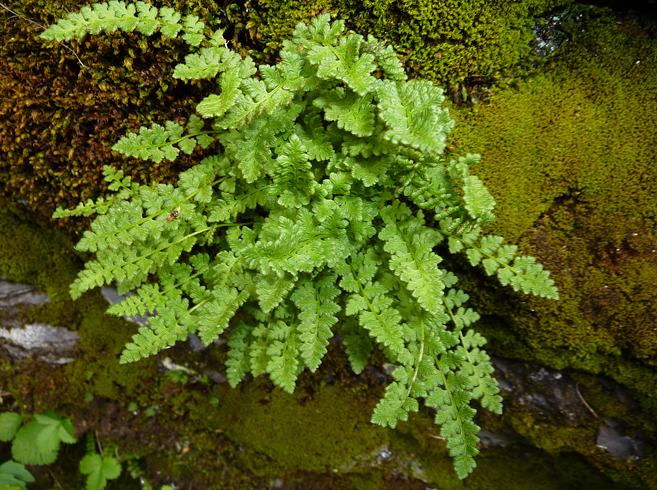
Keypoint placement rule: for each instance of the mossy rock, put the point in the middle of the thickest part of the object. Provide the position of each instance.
(582, 129)
(444, 41)
(569, 156)
(67, 104)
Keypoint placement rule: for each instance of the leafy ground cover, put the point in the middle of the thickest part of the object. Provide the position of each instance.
(585, 226)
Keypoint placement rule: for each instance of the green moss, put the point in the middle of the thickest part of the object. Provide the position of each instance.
(516, 467)
(307, 431)
(441, 40)
(569, 157)
(65, 106)
(32, 254)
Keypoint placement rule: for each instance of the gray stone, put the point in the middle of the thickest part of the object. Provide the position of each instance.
(12, 295)
(543, 391)
(195, 343)
(490, 438)
(616, 444)
(51, 344)
(216, 377)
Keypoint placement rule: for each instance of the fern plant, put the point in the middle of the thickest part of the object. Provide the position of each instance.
(324, 204)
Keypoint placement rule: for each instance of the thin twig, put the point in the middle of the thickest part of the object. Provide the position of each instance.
(584, 401)
(43, 28)
(55, 478)
(437, 437)
(24, 18)
(4, 394)
(100, 447)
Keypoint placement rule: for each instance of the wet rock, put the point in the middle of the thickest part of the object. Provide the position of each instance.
(54, 345)
(620, 391)
(168, 365)
(112, 297)
(194, 343)
(548, 37)
(394, 463)
(504, 438)
(608, 437)
(538, 389)
(216, 377)
(13, 295)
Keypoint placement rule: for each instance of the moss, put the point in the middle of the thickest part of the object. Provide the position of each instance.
(306, 431)
(65, 106)
(32, 254)
(441, 40)
(514, 467)
(568, 155)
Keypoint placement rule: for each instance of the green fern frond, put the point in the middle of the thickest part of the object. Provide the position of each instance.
(358, 345)
(479, 370)
(386, 58)
(283, 352)
(352, 112)
(374, 308)
(170, 325)
(238, 363)
(315, 299)
(410, 245)
(327, 164)
(294, 181)
(113, 15)
(159, 142)
(455, 416)
(343, 62)
(412, 114)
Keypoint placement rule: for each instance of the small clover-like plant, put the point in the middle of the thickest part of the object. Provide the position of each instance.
(177, 376)
(99, 467)
(14, 475)
(324, 204)
(37, 442)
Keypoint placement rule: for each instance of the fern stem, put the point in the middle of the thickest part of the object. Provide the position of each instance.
(167, 143)
(420, 354)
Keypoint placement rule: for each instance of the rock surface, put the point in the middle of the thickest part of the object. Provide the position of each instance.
(52, 344)
(13, 295)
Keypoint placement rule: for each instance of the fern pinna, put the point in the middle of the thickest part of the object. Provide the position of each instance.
(324, 208)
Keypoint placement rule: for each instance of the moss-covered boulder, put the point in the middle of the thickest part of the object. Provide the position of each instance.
(569, 154)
